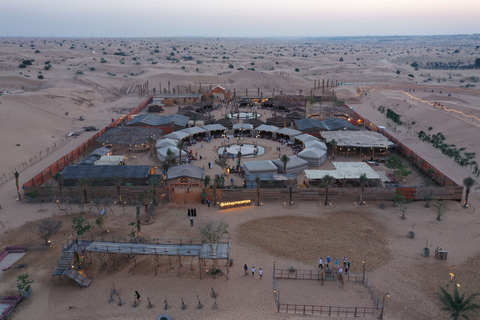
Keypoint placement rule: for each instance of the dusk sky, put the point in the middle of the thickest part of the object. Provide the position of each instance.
(246, 18)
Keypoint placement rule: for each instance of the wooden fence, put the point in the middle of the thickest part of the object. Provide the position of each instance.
(69, 158)
(295, 274)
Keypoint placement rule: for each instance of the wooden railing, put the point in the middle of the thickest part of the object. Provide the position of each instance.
(330, 311)
(92, 238)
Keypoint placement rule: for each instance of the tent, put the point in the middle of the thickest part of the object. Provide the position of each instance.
(265, 166)
(288, 134)
(162, 154)
(166, 143)
(177, 135)
(315, 157)
(306, 137)
(110, 160)
(294, 165)
(315, 144)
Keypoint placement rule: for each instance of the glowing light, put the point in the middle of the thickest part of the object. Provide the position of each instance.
(232, 204)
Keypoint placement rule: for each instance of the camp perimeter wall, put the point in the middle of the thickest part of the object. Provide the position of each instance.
(351, 194)
(69, 158)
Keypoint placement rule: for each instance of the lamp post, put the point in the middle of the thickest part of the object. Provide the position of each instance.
(363, 271)
(386, 295)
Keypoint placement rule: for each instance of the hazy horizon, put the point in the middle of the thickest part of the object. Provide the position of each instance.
(249, 19)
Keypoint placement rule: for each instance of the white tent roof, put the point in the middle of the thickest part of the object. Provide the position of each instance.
(306, 137)
(166, 143)
(289, 132)
(265, 166)
(344, 170)
(213, 127)
(294, 165)
(243, 126)
(162, 153)
(364, 139)
(266, 127)
(193, 130)
(177, 135)
(315, 144)
(109, 160)
(314, 156)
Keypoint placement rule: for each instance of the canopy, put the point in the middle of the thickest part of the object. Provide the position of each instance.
(193, 130)
(294, 165)
(166, 143)
(110, 160)
(289, 132)
(177, 135)
(162, 154)
(242, 126)
(344, 170)
(214, 127)
(315, 144)
(266, 127)
(315, 157)
(265, 166)
(306, 137)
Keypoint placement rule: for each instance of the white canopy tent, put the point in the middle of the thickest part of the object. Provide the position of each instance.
(265, 166)
(110, 160)
(294, 165)
(162, 154)
(166, 143)
(344, 170)
(306, 137)
(314, 156)
(315, 144)
(243, 126)
(177, 135)
(266, 127)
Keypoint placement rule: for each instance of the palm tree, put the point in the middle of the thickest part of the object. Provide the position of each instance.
(180, 148)
(212, 97)
(285, 159)
(84, 182)
(468, 183)
(154, 182)
(457, 305)
(325, 182)
(59, 177)
(170, 155)
(151, 144)
(257, 180)
(334, 145)
(17, 175)
(363, 180)
(227, 121)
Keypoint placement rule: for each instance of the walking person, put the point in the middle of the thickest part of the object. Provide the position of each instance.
(260, 273)
(328, 261)
(344, 261)
(245, 269)
(320, 263)
(336, 264)
(137, 295)
(191, 221)
(253, 271)
(348, 266)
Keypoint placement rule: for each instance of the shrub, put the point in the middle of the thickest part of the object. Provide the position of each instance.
(22, 65)
(79, 72)
(297, 70)
(37, 51)
(27, 62)
(40, 76)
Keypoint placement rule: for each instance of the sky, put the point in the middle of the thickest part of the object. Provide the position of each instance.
(245, 18)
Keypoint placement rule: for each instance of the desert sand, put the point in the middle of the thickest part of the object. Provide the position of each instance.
(37, 114)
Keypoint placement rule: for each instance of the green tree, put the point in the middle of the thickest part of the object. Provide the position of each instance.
(180, 145)
(81, 225)
(325, 183)
(442, 207)
(170, 155)
(285, 159)
(468, 183)
(457, 305)
(207, 181)
(363, 180)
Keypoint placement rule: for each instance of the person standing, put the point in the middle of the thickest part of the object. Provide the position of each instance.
(328, 261)
(260, 273)
(194, 212)
(189, 212)
(245, 269)
(348, 266)
(191, 221)
(336, 263)
(320, 263)
(137, 295)
(344, 261)
(253, 271)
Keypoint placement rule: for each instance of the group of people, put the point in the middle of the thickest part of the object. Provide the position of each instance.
(346, 264)
(245, 269)
(192, 212)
